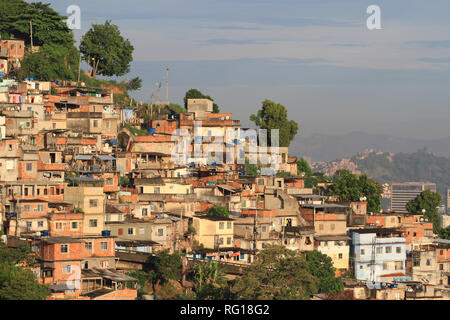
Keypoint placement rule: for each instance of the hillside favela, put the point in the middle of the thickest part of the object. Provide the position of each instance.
(113, 189)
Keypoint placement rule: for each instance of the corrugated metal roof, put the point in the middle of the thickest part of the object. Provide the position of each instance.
(105, 157)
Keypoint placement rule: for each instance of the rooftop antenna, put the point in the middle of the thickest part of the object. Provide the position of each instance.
(151, 106)
(157, 97)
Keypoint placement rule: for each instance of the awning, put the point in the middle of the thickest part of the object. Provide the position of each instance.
(84, 157)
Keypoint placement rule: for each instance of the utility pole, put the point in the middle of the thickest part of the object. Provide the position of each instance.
(167, 85)
(79, 71)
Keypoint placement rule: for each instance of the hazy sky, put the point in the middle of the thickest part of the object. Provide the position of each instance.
(316, 57)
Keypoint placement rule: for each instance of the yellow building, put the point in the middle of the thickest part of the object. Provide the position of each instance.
(159, 186)
(214, 232)
(89, 197)
(337, 248)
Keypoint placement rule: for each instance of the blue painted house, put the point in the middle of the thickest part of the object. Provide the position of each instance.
(378, 254)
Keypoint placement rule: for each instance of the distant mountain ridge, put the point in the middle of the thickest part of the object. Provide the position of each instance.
(386, 167)
(322, 147)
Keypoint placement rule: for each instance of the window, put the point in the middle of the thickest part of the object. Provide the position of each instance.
(398, 250)
(325, 243)
(64, 248)
(105, 264)
(388, 249)
(109, 181)
(144, 212)
(160, 232)
(26, 208)
(360, 267)
(67, 268)
(58, 225)
(29, 166)
(40, 208)
(428, 262)
(379, 250)
(363, 252)
(228, 240)
(40, 224)
(103, 245)
(86, 265)
(93, 203)
(157, 190)
(340, 255)
(264, 229)
(93, 223)
(229, 225)
(29, 224)
(95, 123)
(74, 225)
(385, 266)
(398, 265)
(220, 241)
(131, 231)
(441, 266)
(88, 246)
(221, 225)
(260, 182)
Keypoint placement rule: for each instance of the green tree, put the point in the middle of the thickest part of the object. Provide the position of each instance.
(134, 84)
(124, 181)
(109, 52)
(321, 266)
(52, 62)
(49, 26)
(274, 116)
(444, 233)
(218, 211)
(196, 94)
(348, 187)
(177, 108)
(167, 266)
(252, 170)
(303, 167)
(210, 282)
(17, 283)
(144, 279)
(277, 274)
(429, 201)
(312, 180)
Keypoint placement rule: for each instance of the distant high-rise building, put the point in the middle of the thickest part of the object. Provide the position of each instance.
(448, 201)
(402, 192)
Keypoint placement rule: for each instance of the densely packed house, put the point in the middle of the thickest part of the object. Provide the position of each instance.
(93, 190)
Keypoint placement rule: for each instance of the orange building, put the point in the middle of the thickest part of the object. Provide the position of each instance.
(84, 267)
